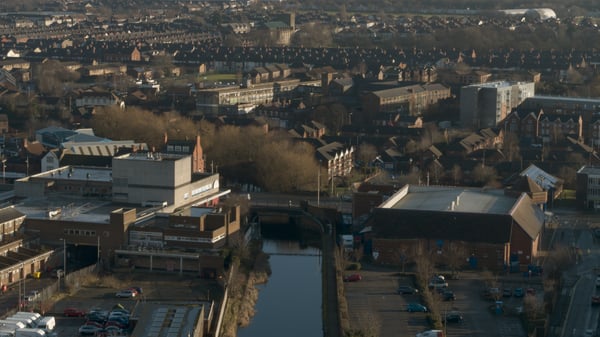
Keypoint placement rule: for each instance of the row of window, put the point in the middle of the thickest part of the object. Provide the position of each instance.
(79, 232)
(178, 148)
(594, 192)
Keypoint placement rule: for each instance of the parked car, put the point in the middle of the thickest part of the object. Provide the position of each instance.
(353, 278)
(530, 291)
(97, 315)
(595, 300)
(120, 320)
(94, 323)
(507, 292)
(448, 295)
(491, 294)
(117, 324)
(416, 307)
(519, 292)
(438, 282)
(454, 317)
(407, 290)
(120, 310)
(138, 290)
(118, 314)
(113, 330)
(88, 330)
(431, 333)
(127, 293)
(73, 312)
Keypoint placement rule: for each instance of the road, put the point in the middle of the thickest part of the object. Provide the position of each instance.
(575, 231)
(285, 200)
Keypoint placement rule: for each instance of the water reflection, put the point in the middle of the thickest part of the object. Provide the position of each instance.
(290, 303)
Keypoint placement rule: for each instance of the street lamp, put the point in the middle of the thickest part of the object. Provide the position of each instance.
(4, 171)
(64, 256)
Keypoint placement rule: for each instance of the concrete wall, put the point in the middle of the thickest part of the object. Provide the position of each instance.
(26, 188)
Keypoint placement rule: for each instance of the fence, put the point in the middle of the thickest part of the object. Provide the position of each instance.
(44, 301)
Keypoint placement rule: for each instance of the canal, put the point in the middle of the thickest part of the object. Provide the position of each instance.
(289, 304)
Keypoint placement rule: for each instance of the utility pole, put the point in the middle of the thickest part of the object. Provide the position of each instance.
(98, 252)
(319, 184)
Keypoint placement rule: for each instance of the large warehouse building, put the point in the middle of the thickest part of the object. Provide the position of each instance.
(483, 226)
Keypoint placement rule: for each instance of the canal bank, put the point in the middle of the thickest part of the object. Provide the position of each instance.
(243, 288)
(289, 304)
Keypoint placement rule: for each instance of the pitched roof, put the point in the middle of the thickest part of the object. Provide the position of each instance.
(528, 215)
(329, 151)
(541, 177)
(9, 213)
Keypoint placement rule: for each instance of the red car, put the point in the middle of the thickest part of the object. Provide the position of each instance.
(74, 312)
(353, 278)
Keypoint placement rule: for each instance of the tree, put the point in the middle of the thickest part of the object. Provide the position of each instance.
(286, 166)
(313, 35)
(457, 174)
(533, 307)
(163, 65)
(50, 77)
(569, 176)
(485, 175)
(436, 171)
(455, 256)
(365, 154)
(402, 256)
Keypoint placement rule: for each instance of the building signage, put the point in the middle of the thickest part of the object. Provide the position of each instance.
(201, 189)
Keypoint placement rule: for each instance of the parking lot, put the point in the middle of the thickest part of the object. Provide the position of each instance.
(156, 287)
(374, 304)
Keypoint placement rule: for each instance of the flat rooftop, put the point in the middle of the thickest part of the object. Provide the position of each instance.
(162, 220)
(151, 156)
(164, 320)
(98, 174)
(591, 170)
(444, 198)
(71, 209)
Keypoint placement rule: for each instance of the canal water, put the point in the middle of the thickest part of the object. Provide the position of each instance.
(289, 304)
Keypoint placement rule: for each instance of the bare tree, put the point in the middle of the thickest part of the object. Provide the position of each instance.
(485, 175)
(533, 307)
(455, 256)
(457, 174)
(366, 153)
(436, 171)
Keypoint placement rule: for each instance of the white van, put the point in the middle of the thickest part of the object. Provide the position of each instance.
(30, 332)
(46, 323)
(28, 322)
(5, 325)
(34, 315)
